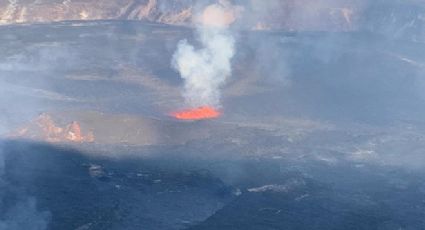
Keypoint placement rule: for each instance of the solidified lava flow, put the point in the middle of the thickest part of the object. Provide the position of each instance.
(200, 113)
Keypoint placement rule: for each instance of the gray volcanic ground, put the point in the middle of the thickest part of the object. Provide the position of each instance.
(320, 130)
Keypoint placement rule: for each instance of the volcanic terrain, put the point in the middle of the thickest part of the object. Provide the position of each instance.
(318, 129)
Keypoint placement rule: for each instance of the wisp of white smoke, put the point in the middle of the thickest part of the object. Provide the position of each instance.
(206, 69)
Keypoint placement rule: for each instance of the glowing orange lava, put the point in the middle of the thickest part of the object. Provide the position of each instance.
(200, 113)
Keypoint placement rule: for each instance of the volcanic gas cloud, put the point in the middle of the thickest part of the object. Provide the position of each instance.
(201, 113)
(205, 69)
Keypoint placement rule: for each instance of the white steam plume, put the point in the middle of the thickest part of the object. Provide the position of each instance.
(206, 69)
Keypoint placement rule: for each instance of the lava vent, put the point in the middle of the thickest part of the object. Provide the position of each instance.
(200, 113)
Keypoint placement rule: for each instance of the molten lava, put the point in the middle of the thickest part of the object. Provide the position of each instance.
(200, 113)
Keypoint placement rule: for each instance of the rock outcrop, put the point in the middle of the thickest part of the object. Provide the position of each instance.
(44, 128)
(384, 16)
(100, 128)
(170, 11)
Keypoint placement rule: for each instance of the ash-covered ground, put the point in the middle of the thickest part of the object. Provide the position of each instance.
(320, 130)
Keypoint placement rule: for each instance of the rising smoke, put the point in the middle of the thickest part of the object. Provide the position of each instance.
(206, 69)
(24, 215)
(20, 211)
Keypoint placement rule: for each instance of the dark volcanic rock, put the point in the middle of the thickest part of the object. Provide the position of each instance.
(340, 148)
(78, 191)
